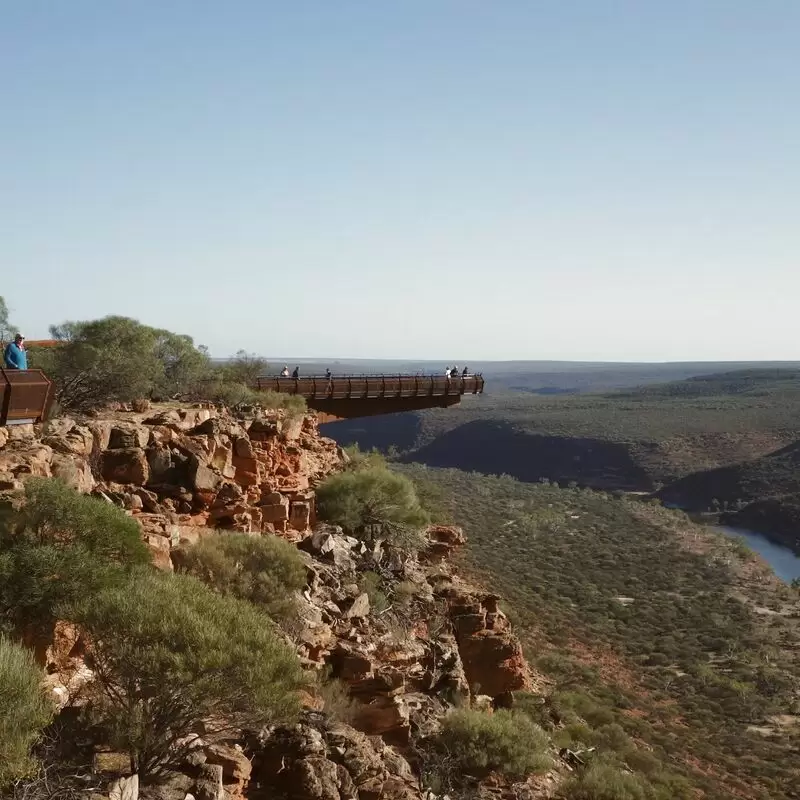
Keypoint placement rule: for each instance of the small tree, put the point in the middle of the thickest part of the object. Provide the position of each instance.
(61, 546)
(24, 711)
(117, 358)
(184, 366)
(373, 503)
(173, 658)
(244, 368)
(264, 570)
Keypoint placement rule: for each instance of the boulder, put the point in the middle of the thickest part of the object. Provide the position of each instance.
(236, 767)
(300, 516)
(360, 607)
(385, 716)
(442, 540)
(263, 429)
(69, 438)
(74, 471)
(24, 459)
(127, 465)
(494, 663)
(124, 789)
(333, 762)
(208, 784)
(128, 436)
(204, 479)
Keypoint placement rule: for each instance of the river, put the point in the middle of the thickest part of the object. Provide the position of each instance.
(783, 561)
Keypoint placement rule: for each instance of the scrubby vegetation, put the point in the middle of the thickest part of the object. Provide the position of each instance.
(472, 743)
(168, 653)
(61, 546)
(652, 631)
(117, 359)
(371, 502)
(265, 570)
(24, 711)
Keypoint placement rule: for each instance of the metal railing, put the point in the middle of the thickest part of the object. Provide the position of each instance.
(25, 396)
(341, 387)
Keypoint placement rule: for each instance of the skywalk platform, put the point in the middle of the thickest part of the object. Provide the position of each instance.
(349, 396)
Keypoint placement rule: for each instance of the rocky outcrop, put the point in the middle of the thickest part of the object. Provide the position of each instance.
(406, 645)
(322, 760)
(180, 470)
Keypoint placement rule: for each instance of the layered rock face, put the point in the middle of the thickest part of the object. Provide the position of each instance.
(404, 655)
(183, 472)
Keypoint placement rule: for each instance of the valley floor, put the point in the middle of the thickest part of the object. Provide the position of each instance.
(668, 647)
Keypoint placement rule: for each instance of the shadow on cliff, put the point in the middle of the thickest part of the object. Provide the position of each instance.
(497, 448)
(399, 430)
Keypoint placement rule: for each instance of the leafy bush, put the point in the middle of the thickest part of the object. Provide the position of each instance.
(373, 503)
(264, 570)
(474, 743)
(25, 710)
(170, 653)
(61, 546)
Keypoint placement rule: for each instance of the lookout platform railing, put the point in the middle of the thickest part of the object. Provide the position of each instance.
(347, 396)
(25, 396)
(342, 387)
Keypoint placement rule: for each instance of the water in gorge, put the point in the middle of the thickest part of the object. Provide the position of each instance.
(783, 561)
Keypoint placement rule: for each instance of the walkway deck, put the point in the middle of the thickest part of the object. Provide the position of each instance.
(348, 396)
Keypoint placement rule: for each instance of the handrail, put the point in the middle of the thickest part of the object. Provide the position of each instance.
(373, 387)
(371, 375)
(25, 395)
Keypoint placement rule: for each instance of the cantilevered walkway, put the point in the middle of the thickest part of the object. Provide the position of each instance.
(347, 396)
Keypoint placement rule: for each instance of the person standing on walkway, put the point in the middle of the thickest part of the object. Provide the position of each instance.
(15, 355)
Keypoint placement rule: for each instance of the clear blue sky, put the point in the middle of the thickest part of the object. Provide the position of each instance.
(453, 179)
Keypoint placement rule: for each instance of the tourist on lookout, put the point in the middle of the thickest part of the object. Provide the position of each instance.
(285, 372)
(296, 373)
(15, 355)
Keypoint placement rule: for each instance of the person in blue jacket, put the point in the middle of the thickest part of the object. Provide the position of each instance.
(15, 355)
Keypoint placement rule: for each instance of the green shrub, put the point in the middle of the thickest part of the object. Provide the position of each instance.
(506, 742)
(264, 570)
(54, 514)
(24, 710)
(374, 503)
(61, 546)
(606, 782)
(169, 654)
